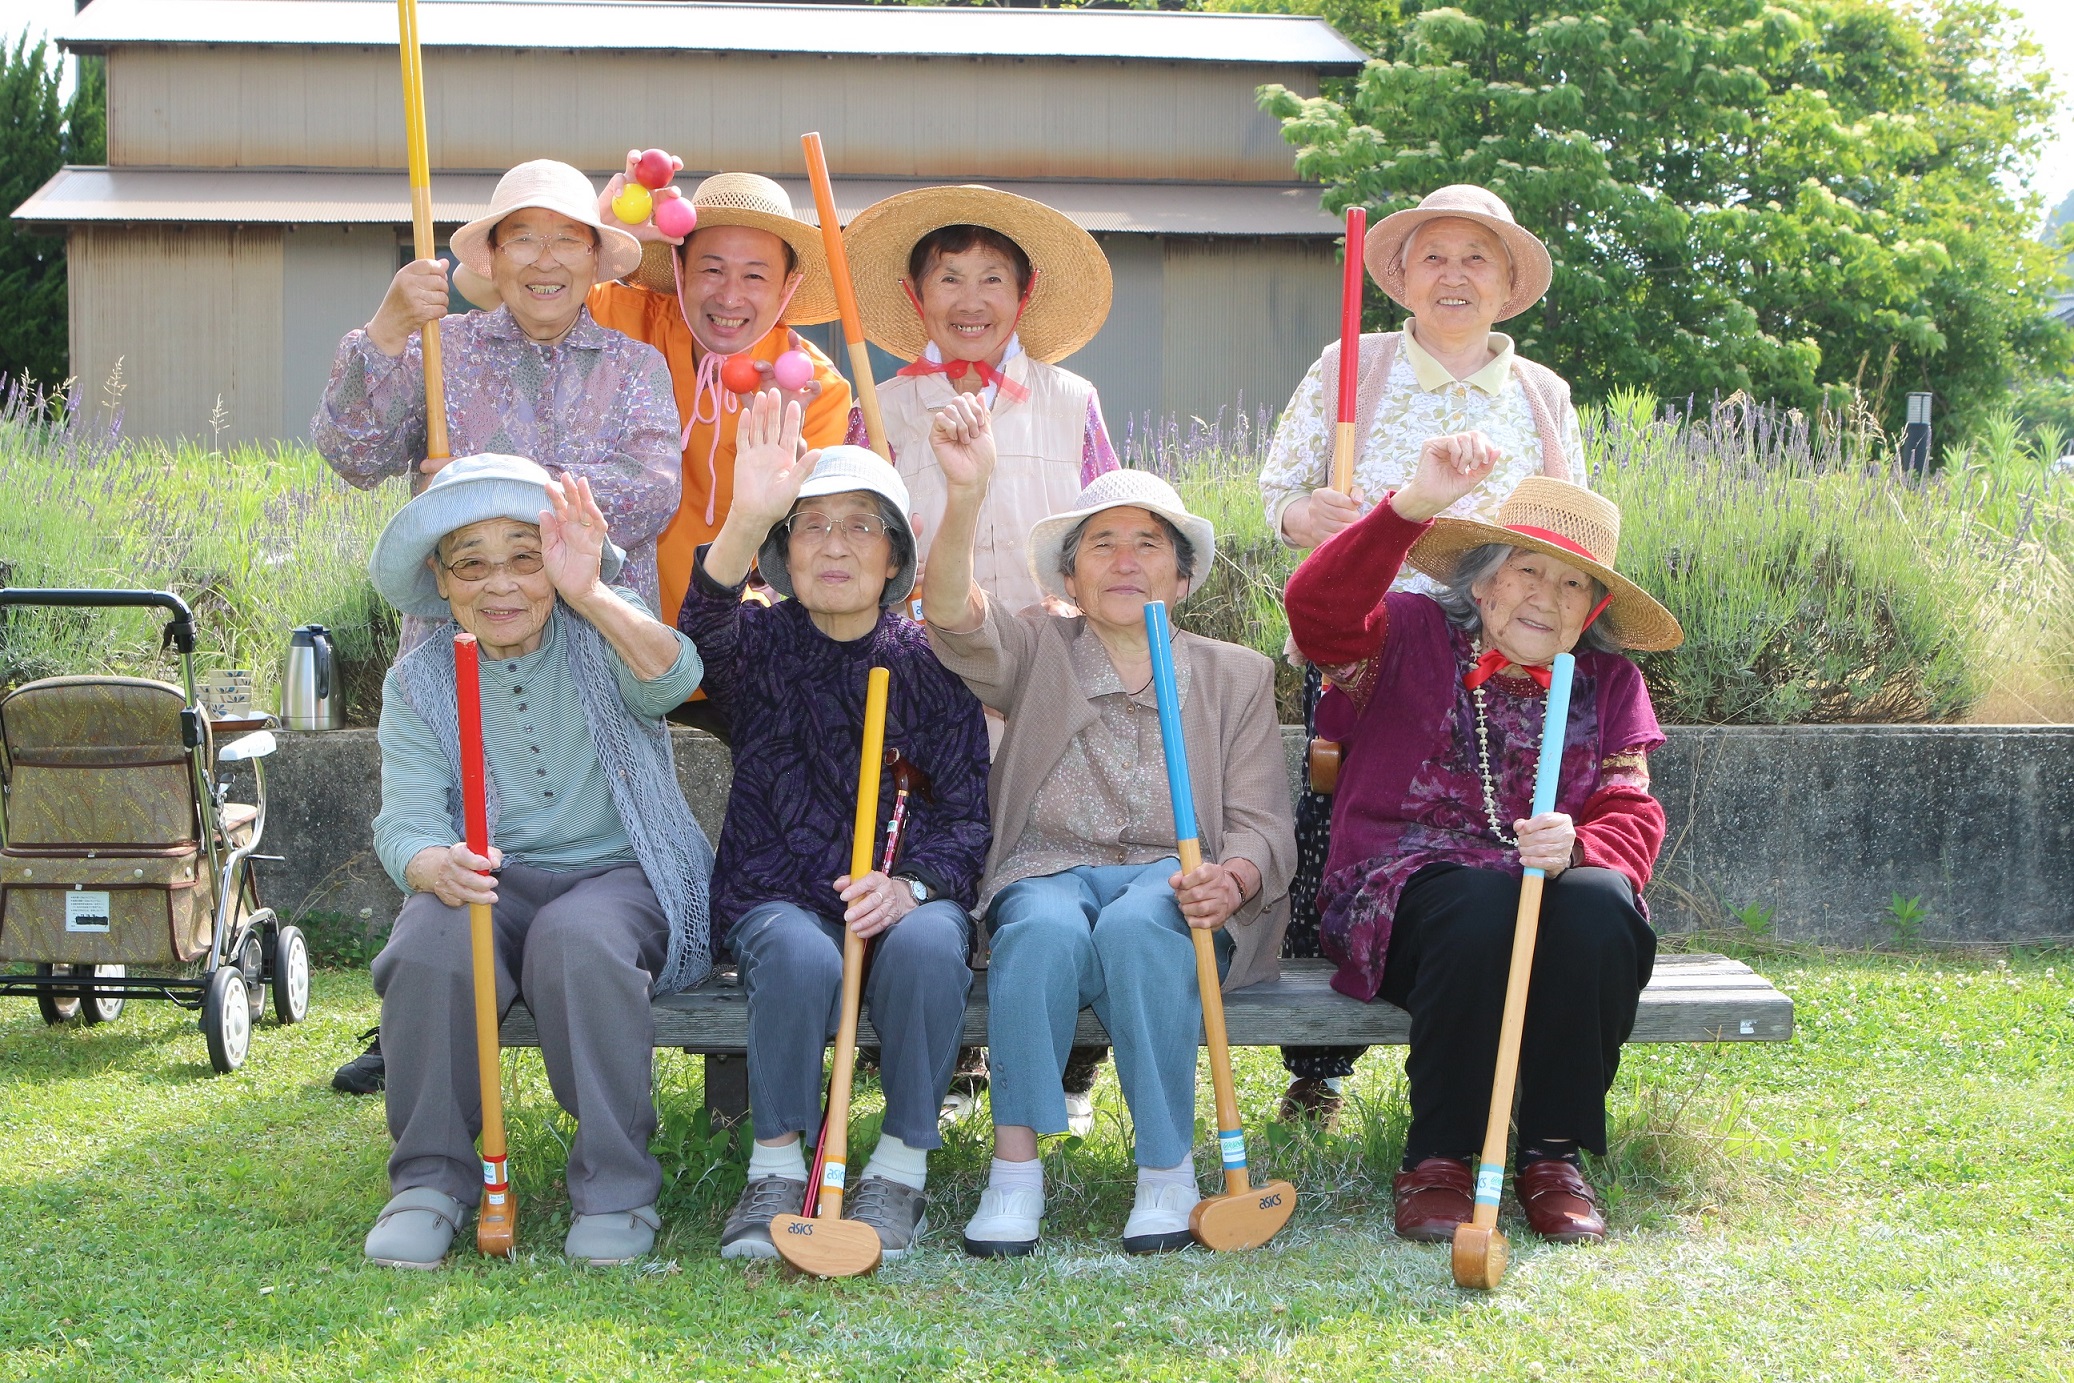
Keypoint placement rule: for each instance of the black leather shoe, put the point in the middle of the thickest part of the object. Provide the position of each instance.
(367, 1073)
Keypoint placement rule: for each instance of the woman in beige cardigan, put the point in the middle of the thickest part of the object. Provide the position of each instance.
(1083, 897)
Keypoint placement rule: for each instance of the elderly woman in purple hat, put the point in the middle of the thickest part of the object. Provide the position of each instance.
(1460, 264)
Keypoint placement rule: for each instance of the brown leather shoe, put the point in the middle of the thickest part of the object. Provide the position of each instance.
(1432, 1198)
(1561, 1206)
(1310, 1099)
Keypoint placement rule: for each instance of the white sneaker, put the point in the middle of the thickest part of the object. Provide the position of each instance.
(1159, 1223)
(1080, 1113)
(1007, 1223)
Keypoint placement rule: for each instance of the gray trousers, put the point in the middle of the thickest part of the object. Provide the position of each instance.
(583, 948)
(791, 964)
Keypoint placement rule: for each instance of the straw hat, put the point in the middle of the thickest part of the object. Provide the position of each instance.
(550, 186)
(1383, 250)
(1068, 303)
(750, 199)
(1568, 522)
(840, 470)
(470, 490)
(1115, 490)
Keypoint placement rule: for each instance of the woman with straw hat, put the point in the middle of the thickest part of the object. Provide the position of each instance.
(983, 291)
(1437, 701)
(730, 291)
(1084, 899)
(537, 376)
(1460, 264)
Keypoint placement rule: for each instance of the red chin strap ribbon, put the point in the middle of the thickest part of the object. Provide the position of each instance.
(1488, 666)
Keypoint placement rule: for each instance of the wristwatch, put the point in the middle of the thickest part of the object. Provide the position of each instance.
(918, 890)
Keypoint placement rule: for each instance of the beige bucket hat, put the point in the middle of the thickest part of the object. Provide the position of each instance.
(1568, 522)
(750, 199)
(1116, 490)
(1383, 249)
(550, 186)
(1068, 302)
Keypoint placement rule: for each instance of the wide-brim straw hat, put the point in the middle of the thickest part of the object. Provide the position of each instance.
(470, 490)
(1117, 490)
(1570, 523)
(750, 199)
(549, 186)
(838, 471)
(1068, 303)
(1383, 249)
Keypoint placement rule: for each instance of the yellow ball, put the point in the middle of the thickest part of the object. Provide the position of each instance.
(633, 205)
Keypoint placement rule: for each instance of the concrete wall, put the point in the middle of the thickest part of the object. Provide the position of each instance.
(1823, 825)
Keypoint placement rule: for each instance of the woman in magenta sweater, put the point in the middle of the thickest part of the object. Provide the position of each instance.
(1438, 704)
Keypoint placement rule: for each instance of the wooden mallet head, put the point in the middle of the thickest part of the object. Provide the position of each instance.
(825, 1247)
(1242, 1219)
(1480, 1256)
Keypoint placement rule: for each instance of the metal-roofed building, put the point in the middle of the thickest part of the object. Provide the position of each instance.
(254, 206)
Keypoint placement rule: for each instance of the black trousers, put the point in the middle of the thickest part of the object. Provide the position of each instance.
(1450, 949)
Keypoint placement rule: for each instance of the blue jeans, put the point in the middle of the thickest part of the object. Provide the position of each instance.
(1111, 936)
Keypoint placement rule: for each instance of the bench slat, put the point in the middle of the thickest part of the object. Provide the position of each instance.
(1690, 998)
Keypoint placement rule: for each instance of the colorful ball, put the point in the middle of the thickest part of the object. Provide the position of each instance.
(793, 371)
(654, 169)
(675, 216)
(633, 205)
(741, 375)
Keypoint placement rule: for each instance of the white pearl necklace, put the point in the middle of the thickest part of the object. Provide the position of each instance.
(1483, 764)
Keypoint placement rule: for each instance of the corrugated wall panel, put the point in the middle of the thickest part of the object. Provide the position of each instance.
(333, 279)
(958, 118)
(1123, 360)
(192, 314)
(1244, 319)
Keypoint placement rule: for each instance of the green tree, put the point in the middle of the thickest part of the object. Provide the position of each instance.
(1796, 198)
(39, 135)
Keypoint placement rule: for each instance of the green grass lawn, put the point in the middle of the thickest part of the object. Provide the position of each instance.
(1889, 1196)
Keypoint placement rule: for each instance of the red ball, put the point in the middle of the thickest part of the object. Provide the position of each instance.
(675, 216)
(741, 375)
(793, 371)
(654, 169)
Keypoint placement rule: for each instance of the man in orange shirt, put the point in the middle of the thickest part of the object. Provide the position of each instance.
(730, 290)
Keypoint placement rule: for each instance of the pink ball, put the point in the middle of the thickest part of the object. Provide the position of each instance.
(654, 169)
(741, 375)
(793, 371)
(675, 216)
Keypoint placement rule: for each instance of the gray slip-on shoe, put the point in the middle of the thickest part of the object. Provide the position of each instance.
(612, 1238)
(748, 1230)
(897, 1211)
(415, 1229)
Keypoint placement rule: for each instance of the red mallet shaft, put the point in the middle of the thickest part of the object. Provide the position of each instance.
(1349, 350)
(496, 1223)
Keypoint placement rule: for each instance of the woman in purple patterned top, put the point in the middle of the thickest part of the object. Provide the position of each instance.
(1438, 704)
(829, 529)
(535, 378)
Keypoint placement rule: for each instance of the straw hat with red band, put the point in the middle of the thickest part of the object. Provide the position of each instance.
(1383, 248)
(1568, 522)
(1068, 299)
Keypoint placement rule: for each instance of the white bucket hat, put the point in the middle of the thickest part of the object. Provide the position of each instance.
(841, 470)
(1118, 490)
(466, 491)
(550, 186)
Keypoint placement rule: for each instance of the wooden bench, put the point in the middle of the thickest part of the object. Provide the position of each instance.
(1691, 998)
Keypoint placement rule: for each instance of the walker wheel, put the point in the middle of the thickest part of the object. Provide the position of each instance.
(291, 977)
(97, 1006)
(55, 1006)
(227, 1019)
(250, 960)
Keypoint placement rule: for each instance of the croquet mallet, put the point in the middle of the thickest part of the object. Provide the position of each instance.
(1245, 1216)
(1480, 1248)
(828, 1245)
(419, 157)
(1323, 756)
(496, 1222)
(845, 294)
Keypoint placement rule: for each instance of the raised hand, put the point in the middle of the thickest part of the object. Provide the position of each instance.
(572, 537)
(618, 184)
(962, 436)
(771, 462)
(1449, 468)
(417, 295)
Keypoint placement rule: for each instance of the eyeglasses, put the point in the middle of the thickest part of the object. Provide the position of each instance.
(474, 569)
(858, 528)
(563, 249)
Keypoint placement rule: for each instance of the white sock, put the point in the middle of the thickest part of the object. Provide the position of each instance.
(1151, 1180)
(1016, 1176)
(785, 1160)
(896, 1161)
